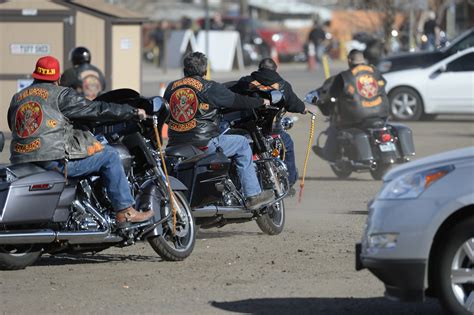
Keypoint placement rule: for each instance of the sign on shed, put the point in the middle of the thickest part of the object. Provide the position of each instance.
(225, 50)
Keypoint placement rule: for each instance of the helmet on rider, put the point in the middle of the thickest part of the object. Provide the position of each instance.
(79, 56)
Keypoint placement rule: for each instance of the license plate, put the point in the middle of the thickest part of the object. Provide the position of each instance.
(386, 147)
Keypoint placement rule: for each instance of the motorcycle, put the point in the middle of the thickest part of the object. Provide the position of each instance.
(43, 212)
(373, 149)
(213, 183)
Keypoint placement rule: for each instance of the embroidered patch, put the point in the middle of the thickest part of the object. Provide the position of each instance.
(51, 123)
(204, 106)
(183, 106)
(188, 81)
(28, 119)
(373, 103)
(367, 86)
(28, 147)
(91, 86)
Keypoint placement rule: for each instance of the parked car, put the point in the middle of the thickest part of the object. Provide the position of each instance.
(425, 59)
(447, 87)
(419, 236)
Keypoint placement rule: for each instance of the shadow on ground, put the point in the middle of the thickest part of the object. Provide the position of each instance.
(350, 179)
(64, 259)
(353, 306)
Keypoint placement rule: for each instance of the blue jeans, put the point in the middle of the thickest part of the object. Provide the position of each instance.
(290, 157)
(108, 165)
(238, 148)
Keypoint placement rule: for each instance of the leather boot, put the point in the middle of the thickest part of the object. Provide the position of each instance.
(131, 215)
(258, 201)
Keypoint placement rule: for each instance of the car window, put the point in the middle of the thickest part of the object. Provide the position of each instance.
(466, 42)
(464, 63)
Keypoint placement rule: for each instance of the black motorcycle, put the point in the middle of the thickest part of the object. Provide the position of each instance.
(213, 183)
(372, 149)
(42, 212)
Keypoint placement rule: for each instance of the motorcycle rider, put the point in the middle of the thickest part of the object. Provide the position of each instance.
(85, 78)
(354, 98)
(41, 118)
(196, 105)
(266, 78)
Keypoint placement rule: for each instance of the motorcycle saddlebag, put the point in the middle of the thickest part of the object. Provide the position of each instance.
(32, 194)
(356, 144)
(200, 174)
(405, 138)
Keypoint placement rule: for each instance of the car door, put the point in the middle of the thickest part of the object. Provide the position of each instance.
(450, 88)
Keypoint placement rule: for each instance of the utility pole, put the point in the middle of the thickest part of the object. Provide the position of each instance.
(244, 7)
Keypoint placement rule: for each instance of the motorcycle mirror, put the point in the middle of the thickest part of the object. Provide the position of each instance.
(276, 96)
(2, 141)
(287, 123)
(312, 97)
(159, 103)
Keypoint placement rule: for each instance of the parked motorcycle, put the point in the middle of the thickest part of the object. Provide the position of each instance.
(373, 149)
(42, 212)
(213, 183)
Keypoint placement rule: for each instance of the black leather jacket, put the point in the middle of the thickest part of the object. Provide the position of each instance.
(41, 119)
(196, 105)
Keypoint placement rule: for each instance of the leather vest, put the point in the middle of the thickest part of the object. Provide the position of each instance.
(193, 120)
(40, 132)
(363, 96)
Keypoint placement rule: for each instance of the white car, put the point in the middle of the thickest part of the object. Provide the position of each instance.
(447, 87)
(419, 237)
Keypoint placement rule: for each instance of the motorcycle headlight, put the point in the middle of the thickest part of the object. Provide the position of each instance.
(411, 186)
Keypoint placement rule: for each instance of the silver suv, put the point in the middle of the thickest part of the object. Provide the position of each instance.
(419, 236)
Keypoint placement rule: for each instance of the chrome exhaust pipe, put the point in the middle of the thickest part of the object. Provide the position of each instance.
(234, 212)
(27, 237)
(205, 212)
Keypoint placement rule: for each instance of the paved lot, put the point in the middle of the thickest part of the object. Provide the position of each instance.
(308, 269)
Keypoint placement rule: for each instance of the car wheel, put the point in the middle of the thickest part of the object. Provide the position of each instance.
(405, 104)
(454, 269)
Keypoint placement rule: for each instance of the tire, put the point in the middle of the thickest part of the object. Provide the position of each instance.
(405, 104)
(453, 289)
(15, 257)
(175, 248)
(273, 221)
(341, 172)
(429, 117)
(379, 171)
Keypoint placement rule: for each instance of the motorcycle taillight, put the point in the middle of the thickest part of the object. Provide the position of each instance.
(385, 137)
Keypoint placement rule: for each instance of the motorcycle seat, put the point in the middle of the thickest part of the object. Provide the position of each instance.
(183, 151)
(25, 169)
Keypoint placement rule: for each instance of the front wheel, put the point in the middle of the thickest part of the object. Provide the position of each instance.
(379, 171)
(454, 269)
(273, 221)
(14, 257)
(179, 246)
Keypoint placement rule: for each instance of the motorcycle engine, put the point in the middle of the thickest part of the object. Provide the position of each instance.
(125, 156)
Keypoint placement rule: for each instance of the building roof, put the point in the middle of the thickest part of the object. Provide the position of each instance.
(291, 7)
(110, 10)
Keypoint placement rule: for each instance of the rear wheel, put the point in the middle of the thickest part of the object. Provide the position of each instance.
(379, 171)
(179, 246)
(14, 257)
(405, 104)
(273, 221)
(454, 269)
(341, 172)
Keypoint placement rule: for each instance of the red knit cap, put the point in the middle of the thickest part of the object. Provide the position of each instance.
(47, 68)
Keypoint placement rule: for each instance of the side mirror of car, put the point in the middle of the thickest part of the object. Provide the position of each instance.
(438, 71)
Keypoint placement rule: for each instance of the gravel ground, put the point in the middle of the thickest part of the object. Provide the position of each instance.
(308, 269)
